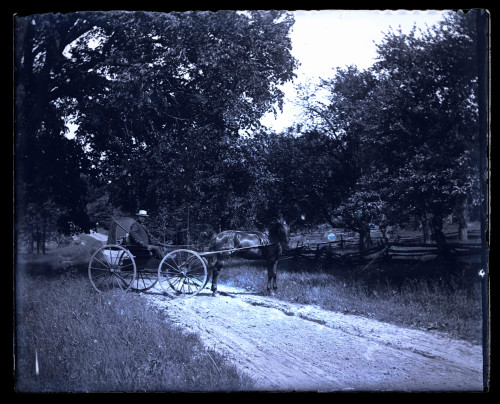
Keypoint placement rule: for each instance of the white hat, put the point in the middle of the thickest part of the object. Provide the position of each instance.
(142, 213)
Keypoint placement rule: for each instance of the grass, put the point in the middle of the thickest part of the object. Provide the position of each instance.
(433, 296)
(90, 342)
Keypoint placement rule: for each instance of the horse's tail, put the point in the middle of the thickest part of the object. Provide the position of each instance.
(263, 239)
(211, 247)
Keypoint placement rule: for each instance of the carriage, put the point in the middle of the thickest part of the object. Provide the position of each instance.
(121, 265)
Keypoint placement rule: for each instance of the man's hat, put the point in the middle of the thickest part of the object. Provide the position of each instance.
(142, 213)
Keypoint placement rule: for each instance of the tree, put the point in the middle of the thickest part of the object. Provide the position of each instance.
(406, 129)
(47, 165)
(173, 108)
(159, 99)
(341, 118)
(428, 107)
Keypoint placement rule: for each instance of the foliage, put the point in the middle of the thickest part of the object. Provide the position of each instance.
(158, 98)
(433, 115)
(162, 103)
(179, 100)
(407, 127)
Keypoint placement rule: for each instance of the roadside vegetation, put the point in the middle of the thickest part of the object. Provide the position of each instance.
(90, 342)
(85, 341)
(429, 296)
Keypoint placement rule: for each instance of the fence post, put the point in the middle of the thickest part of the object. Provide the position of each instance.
(317, 253)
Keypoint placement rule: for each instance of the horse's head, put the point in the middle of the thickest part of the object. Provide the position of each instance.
(279, 233)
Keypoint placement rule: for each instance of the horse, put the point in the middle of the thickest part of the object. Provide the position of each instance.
(268, 247)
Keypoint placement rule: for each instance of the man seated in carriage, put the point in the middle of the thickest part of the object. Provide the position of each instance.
(140, 236)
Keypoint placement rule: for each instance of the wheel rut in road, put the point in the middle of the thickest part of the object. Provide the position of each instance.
(294, 347)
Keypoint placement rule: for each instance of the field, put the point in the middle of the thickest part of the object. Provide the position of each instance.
(84, 341)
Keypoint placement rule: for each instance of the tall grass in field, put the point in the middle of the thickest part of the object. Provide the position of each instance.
(427, 296)
(68, 338)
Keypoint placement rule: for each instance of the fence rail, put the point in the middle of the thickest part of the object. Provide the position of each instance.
(346, 252)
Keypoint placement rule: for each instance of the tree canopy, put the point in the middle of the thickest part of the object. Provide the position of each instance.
(161, 103)
(158, 100)
(407, 127)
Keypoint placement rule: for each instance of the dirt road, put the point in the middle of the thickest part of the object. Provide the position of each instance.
(292, 347)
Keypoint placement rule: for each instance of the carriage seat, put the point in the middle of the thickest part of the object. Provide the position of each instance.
(139, 252)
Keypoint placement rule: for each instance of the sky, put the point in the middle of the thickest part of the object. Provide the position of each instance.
(326, 39)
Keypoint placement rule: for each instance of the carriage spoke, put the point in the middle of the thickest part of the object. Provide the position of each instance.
(188, 284)
(101, 275)
(120, 281)
(115, 259)
(144, 281)
(106, 271)
(198, 276)
(185, 285)
(116, 281)
(118, 276)
(109, 282)
(177, 280)
(141, 282)
(103, 278)
(104, 265)
(183, 272)
(196, 282)
(176, 269)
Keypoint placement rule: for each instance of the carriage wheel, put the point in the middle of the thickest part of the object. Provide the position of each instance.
(145, 280)
(182, 273)
(112, 267)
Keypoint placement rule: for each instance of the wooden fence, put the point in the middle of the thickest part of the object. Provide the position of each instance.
(346, 251)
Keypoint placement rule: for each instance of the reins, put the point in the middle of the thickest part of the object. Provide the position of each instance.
(230, 250)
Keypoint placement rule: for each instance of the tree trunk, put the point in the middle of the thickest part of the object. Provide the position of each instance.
(32, 239)
(44, 231)
(462, 221)
(37, 239)
(426, 228)
(384, 230)
(437, 226)
(364, 237)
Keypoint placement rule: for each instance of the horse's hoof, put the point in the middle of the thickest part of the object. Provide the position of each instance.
(215, 294)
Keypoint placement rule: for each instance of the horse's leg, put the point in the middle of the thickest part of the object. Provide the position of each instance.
(271, 276)
(215, 273)
(275, 273)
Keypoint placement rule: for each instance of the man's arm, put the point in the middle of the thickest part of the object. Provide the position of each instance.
(135, 234)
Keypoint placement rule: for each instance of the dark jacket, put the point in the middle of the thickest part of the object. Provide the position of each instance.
(138, 234)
